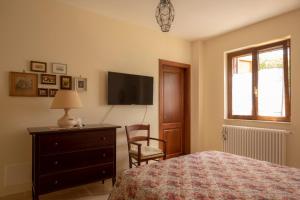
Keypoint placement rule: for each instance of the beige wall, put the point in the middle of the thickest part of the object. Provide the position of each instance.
(197, 96)
(91, 45)
(214, 87)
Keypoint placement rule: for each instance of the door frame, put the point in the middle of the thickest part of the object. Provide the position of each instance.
(187, 100)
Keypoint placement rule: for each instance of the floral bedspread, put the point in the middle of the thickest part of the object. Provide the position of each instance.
(208, 175)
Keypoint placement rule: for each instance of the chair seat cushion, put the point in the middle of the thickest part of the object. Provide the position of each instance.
(146, 152)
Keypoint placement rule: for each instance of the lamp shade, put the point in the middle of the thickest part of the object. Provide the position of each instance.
(66, 99)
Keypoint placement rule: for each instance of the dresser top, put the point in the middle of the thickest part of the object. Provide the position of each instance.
(55, 129)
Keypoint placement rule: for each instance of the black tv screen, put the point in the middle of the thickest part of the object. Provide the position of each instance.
(129, 89)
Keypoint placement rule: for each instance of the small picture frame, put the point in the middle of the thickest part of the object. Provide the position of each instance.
(66, 82)
(52, 92)
(58, 68)
(23, 84)
(43, 92)
(80, 84)
(37, 66)
(48, 79)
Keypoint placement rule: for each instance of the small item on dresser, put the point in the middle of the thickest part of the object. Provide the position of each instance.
(79, 123)
(66, 99)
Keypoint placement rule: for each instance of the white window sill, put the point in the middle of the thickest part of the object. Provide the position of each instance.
(257, 121)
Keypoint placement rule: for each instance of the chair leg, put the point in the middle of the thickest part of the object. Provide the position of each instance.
(139, 162)
(130, 162)
(147, 162)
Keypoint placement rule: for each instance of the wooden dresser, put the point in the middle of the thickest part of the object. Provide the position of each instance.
(63, 158)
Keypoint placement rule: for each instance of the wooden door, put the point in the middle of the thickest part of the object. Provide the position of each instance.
(174, 107)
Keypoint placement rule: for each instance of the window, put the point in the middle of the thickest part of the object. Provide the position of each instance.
(259, 83)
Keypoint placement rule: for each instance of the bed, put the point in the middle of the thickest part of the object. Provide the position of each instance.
(208, 175)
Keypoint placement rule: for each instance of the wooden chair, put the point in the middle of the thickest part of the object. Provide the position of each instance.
(140, 152)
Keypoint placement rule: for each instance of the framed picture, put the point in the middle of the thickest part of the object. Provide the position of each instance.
(23, 84)
(66, 82)
(43, 92)
(49, 79)
(58, 68)
(37, 66)
(80, 84)
(52, 92)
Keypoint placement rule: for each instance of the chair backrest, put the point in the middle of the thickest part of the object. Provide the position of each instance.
(137, 127)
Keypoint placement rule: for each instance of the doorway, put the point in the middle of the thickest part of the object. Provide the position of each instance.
(174, 107)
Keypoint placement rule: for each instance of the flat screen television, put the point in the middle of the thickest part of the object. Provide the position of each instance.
(129, 89)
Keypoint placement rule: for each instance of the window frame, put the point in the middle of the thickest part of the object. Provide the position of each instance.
(285, 45)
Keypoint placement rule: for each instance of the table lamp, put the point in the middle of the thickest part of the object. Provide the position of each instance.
(66, 99)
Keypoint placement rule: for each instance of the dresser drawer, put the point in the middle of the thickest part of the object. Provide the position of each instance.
(63, 180)
(68, 142)
(75, 160)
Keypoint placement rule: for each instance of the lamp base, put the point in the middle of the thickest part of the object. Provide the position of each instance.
(66, 121)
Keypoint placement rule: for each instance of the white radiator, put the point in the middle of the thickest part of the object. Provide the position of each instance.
(258, 143)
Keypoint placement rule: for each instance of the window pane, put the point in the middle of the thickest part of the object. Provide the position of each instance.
(271, 96)
(242, 85)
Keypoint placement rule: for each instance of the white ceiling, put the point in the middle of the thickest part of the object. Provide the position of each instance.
(194, 19)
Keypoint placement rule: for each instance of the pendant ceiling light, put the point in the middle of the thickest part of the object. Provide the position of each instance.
(165, 15)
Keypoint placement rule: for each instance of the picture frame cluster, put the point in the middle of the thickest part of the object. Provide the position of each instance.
(39, 82)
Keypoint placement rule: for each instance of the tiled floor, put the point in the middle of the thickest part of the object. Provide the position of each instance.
(94, 191)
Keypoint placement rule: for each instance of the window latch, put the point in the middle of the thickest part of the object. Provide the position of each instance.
(256, 92)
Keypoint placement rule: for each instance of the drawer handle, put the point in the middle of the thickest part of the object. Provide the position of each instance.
(55, 162)
(103, 155)
(55, 144)
(103, 138)
(103, 172)
(55, 182)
